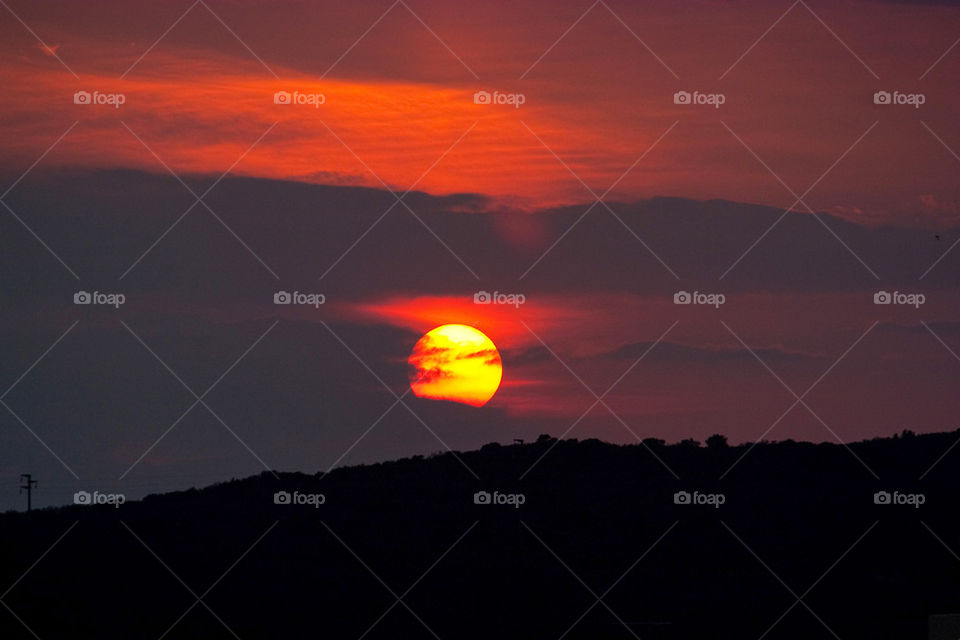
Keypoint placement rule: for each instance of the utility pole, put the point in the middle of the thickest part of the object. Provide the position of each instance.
(28, 483)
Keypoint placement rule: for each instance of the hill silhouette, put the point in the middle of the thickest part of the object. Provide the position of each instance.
(597, 547)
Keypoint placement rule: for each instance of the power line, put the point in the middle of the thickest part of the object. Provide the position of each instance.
(28, 483)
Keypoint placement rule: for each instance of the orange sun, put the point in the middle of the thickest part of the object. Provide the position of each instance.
(455, 362)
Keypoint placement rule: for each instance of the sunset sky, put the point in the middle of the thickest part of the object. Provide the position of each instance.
(398, 193)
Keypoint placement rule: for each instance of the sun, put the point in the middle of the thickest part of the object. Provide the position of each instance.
(455, 362)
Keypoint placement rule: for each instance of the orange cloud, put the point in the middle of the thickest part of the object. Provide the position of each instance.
(598, 100)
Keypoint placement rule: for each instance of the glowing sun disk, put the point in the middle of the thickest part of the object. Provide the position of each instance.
(455, 362)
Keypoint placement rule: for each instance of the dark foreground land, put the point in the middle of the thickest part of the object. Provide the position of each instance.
(798, 521)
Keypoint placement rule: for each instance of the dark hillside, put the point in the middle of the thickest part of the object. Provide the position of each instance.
(591, 512)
